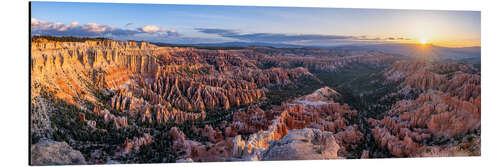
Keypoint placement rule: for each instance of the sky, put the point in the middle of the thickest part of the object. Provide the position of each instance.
(194, 24)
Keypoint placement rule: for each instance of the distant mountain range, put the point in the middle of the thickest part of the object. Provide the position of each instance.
(234, 44)
(420, 50)
(402, 49)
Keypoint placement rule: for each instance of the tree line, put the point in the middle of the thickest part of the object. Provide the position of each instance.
(67, 38)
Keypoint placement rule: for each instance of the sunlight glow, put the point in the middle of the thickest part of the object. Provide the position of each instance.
(423, 41)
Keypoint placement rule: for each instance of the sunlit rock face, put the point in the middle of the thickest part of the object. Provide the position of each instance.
(159, 84)
(71, 69)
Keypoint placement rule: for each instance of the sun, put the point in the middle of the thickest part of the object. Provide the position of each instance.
(423, 41)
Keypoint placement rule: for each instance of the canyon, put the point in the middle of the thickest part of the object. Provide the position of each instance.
(135, 102)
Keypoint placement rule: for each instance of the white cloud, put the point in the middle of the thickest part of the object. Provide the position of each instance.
(47, 25)
(43, 27)
(151, 29)
(74, 24)
(97, 28)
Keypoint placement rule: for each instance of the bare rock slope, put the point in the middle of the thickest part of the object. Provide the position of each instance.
(303, 144)
(48, 152)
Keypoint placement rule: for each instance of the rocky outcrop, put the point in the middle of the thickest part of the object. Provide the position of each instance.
(456, 79)
(330, 117)
(147, 111)
(40, 118)
(323, 94)
(133, 145)
(464, 148)
(216, 150)
(265, 127)
(47, 152)
(253, 147)
(397, 147)
(443, 102)
(433, 115)
(443, 115)
(303, 144)
(252, 120)
(196, 96)
(296, 114)
(365, 154)
(118, 122)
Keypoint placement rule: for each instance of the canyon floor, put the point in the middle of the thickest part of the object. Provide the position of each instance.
(99, 101)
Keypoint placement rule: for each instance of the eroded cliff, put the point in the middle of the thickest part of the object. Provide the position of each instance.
(137, 102)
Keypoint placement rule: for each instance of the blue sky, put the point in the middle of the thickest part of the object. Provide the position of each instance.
(212, 24)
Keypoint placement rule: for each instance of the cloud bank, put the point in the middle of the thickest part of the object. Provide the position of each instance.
(156, 33)
(42, 27)
(288, 38)
(269, 37)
